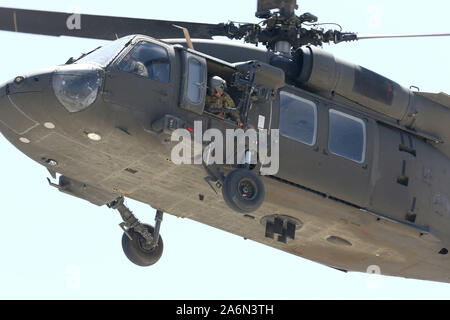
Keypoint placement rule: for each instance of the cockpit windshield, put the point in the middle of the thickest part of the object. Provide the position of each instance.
(104, 55)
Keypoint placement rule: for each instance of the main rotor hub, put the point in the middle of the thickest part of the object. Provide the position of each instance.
(280, 29)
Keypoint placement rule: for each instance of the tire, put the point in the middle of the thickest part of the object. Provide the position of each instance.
(243, 191)
(136, 253)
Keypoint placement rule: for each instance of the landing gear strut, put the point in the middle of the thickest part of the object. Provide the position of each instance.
(141, 242)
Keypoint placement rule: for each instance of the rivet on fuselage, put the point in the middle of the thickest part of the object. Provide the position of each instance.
(24, 140)
(94, 136)
(49, 125)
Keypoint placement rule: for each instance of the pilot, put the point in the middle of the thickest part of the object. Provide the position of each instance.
(132, 63)
(217, 98)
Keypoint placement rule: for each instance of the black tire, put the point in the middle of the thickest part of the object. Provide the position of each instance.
(243, 191)
(135, 252)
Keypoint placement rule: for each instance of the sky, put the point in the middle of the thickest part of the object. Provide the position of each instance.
(53, 246)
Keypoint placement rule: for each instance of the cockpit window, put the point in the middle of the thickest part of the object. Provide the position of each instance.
(104, 55)
(148, 60)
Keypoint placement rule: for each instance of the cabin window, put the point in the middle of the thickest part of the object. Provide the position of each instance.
(196, 81)
(347, 136)
(148, 60)
(298, 118)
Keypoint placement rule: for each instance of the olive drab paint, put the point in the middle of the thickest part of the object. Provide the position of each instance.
(327, 160)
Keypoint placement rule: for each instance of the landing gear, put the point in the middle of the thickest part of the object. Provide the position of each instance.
(141, 243)
(138, 250)
(243, 191)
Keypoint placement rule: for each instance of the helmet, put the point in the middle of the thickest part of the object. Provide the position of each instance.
(217, 85)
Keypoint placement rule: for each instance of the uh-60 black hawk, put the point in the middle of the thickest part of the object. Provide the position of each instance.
(363, 174)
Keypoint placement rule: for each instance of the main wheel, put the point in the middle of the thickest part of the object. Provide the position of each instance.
(243, 191)
(137, 250)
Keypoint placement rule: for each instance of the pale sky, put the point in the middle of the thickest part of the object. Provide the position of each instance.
(54, 246)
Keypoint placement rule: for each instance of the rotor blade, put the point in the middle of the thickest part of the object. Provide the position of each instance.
(98, 27)
(387, 36)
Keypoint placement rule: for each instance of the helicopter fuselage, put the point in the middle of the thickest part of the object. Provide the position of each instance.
(380, 198)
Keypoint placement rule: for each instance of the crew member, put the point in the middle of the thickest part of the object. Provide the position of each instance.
(217, 98)
(133, 64)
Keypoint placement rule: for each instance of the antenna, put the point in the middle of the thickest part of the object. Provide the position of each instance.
(186, 35)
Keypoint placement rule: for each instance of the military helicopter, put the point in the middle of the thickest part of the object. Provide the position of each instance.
(393, 202)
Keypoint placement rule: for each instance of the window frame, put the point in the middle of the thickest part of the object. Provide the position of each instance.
(199, 86)
(87, 59)
(316, 118)
(184, 99)
(132, 46)
(356, 119)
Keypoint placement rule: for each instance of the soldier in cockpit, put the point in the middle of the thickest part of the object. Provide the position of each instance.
(132, 63)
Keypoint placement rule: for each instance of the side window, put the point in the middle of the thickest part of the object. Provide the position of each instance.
(195, 81)
(347, 136)
(148, 60)
(298, 118)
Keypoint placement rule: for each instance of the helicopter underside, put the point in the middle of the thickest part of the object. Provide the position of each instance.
(329, 231)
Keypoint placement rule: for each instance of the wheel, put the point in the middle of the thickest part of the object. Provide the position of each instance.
(243, 191)
(135, 249)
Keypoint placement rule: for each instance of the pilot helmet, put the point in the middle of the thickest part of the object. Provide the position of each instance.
(217, 85)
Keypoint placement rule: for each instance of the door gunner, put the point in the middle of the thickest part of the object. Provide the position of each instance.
(220, 102)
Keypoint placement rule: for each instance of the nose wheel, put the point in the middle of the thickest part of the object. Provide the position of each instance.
(141, 242)
(243, 191)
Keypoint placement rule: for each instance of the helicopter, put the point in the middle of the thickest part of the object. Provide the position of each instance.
(296, 198)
